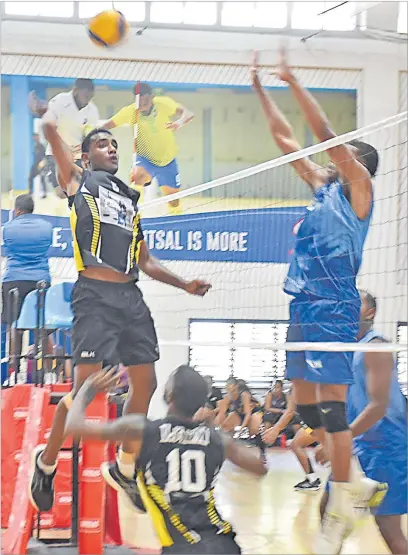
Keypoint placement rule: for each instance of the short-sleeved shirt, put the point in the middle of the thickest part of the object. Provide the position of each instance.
(154, 141)
(26, 241)
(73, 123)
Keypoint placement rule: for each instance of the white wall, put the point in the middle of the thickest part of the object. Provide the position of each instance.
(244, 290)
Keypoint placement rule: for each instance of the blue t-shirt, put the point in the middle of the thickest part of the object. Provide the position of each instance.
(388, 435)
(26, 241)
(329, 248)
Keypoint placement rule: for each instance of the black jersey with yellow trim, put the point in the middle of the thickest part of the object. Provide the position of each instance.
(105, 224)
(176, 472)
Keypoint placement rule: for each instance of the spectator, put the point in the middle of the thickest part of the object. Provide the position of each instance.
(210, 411)
(26, 241)
(38, 167)
(274, 405)
(76, 115)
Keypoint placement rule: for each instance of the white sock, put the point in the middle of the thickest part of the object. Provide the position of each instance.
(126, 464)
(312, 477)
(46, 468)
(356, 472)
(340, 499)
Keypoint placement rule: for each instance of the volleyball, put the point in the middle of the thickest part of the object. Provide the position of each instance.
(108, 28)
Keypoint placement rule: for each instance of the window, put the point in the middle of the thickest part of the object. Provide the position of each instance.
(258, 366)
(402, 358)
(89, 9)
(166, 12)
(133, 11)
(47, 9)
(402, 18)
(200, 13)
(308, 15)
(254, 14)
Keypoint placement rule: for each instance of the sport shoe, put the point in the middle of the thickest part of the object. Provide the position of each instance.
(334, 531)
(307, 485)
(41, 488)
(113, 476)
(368, 497)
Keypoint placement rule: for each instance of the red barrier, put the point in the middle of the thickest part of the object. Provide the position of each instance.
(18, 533)
(92, 486)
(113, 534)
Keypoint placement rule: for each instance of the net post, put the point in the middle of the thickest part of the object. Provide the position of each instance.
(92, 486)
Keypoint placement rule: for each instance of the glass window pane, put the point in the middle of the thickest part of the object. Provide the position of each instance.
(342, 18)
(166, 12)
(402, 18)
(200, 13)
(47, 9)
(304, 15)
(272, 15)
(308, 15)
(133, 11)
(238, 14)
(89, 9)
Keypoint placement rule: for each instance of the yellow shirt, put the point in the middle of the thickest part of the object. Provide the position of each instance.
(154, 141)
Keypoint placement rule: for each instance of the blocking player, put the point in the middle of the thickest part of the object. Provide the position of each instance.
(377, 412)
(159, 117)
(178, 460)
(322, 282)
(112, 322)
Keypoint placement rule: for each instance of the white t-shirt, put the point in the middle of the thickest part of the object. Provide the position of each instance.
(73, 124)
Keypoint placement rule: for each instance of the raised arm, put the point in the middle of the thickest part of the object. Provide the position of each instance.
(380, 367)
(129, 427)
(313, 174)
(345, 156)
(182, 117)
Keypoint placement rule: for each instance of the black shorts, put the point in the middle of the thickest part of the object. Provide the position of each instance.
(24, 288)
(112, 324)
(271, 417)
(211, 544)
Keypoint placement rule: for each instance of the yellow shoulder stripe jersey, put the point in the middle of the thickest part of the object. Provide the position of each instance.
(105, 224)
(176, 472)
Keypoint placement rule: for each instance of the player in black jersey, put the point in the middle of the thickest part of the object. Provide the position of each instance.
(274, 404)
(178, 460)
(112, 322)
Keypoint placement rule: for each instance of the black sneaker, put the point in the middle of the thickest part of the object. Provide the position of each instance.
(114, 477)
(41, 488)
(306, 485)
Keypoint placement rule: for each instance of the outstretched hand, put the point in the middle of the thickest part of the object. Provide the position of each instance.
(283, 71)
(105, 380)
(197, 287)
(38, 107)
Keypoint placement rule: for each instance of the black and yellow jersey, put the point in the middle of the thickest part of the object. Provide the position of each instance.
(106, 224)
(176, 471)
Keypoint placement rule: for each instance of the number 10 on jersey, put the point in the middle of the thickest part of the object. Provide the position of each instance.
(186, 472)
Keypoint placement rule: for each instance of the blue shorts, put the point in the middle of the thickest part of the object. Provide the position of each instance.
(378, 466)
(166, 175)
(321, 320)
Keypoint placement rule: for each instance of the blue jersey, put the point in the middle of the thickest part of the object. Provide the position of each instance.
(388, 435)
(329, 248)
(26, 240)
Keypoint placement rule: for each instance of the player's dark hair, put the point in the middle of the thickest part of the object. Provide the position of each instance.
(144, 89)
(368, 155)
(371, 300)
(243, 386)
(86, 143)
(280, 382)
(84, 84)
(189, 391)
(24, 203)
(232, 381)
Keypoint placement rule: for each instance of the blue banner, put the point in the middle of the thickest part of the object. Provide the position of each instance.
(259, 235)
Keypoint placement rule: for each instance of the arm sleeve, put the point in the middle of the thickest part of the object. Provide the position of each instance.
(54, 107)
(126, 115)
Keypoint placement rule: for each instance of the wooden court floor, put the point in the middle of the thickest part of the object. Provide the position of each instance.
(268, 516)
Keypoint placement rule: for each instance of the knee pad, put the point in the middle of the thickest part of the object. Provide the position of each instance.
(333, 416)
(310, 415)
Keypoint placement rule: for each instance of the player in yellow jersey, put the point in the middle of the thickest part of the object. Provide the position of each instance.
(159, 118)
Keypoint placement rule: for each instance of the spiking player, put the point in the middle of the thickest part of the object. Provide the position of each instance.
(159, 118)
(322, 280)
(178, 462)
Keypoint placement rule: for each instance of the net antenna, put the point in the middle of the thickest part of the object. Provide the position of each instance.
(136, 124)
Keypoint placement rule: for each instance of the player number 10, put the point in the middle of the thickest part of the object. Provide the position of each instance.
(180, 474)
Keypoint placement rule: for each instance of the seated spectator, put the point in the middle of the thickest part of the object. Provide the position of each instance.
(274, 404)
(26, 241)
(210, 411)
(239, 408)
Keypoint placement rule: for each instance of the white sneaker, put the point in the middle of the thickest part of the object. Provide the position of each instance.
(334, 531)
(367, 497)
